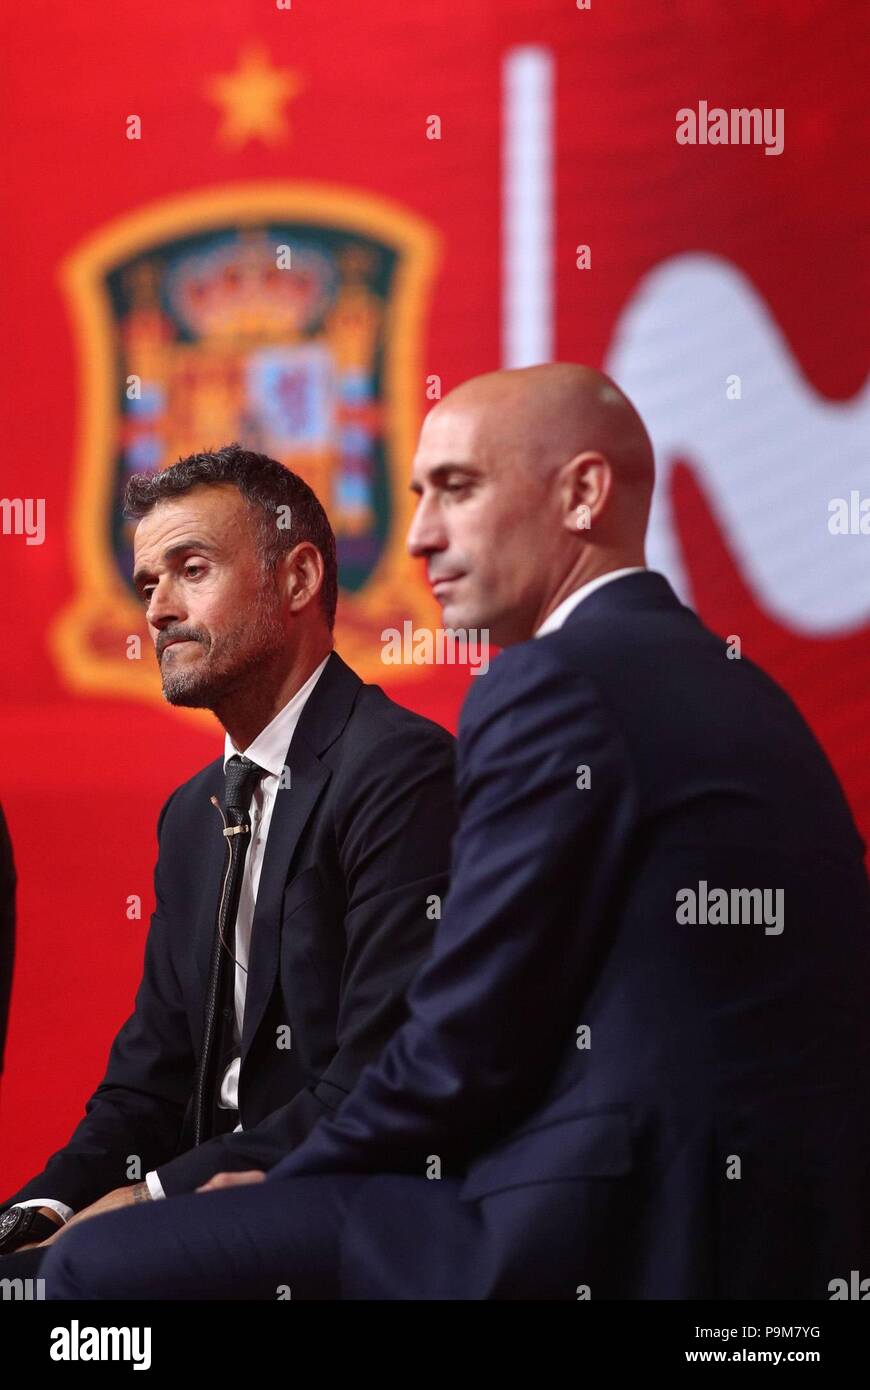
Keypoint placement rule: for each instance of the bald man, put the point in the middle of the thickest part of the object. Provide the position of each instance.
(636, 1064)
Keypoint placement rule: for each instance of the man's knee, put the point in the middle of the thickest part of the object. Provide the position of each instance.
(71, 1266)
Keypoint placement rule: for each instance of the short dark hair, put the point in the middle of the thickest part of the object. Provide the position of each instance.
(265, 485)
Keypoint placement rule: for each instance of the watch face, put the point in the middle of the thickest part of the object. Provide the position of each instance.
(8, 1221)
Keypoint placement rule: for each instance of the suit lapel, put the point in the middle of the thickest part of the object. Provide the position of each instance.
(214, 857)
(293, 806)
(325, 714)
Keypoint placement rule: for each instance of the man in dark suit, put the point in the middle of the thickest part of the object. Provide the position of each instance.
(636, 1064)
(350, 811)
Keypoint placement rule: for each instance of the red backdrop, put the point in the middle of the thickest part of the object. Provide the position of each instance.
(780, 282)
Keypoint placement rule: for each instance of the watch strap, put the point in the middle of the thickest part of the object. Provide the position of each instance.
(34, 1227)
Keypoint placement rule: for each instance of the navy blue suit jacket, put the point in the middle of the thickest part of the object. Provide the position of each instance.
(621, 1102)
(358, 844)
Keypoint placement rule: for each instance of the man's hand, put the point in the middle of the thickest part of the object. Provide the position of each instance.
(138, 1192)
(230, 1180)
(120, 1197)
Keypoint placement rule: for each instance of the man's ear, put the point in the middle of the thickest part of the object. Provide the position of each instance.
(302, 575)
(584, 488)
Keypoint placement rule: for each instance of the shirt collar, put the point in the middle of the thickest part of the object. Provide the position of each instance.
(269, 748)
(560, 614)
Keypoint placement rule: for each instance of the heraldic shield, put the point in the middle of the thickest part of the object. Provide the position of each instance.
(288, 317)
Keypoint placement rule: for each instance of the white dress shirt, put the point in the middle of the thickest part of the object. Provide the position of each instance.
(268, 750)
(559, 614)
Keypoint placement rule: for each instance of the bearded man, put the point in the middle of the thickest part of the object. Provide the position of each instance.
(297, 874)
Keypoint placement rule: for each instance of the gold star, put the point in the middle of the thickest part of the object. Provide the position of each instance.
(252, 99)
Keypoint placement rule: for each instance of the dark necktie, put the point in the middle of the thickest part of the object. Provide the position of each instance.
(242, 777)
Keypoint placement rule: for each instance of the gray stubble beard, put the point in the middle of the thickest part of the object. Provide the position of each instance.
(258, 641)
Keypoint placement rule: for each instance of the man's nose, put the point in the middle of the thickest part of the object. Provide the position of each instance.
(426, 534)
(163, 607)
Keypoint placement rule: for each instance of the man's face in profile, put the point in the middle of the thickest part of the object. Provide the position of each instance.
(479, 524)
(213, 616)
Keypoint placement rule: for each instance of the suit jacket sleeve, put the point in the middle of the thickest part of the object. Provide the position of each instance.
(394, 819)
(137, 1110)
(537, 861)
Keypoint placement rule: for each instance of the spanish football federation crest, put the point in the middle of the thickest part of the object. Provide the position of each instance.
(285, 316)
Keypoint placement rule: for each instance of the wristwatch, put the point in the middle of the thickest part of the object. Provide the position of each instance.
(19, 1225)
